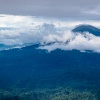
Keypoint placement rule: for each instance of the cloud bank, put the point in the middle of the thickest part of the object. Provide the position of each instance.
(72, 41)
(50, 34)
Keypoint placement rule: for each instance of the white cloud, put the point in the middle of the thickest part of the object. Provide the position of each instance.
(51, 34)
(71, 41)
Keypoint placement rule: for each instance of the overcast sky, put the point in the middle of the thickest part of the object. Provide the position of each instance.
(73, 9)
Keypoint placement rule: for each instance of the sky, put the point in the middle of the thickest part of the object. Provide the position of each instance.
(26, 22)
(71, 9)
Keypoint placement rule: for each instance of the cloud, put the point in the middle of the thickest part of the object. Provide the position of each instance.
(51, 34)
(53, 8)
(94, 11)
(72, 41)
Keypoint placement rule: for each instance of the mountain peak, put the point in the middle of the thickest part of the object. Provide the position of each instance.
(87, 28)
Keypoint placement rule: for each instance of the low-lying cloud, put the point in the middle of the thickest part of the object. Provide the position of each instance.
(72, 41)
(50, 34)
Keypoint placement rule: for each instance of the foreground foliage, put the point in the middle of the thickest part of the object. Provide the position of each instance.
(49, 94)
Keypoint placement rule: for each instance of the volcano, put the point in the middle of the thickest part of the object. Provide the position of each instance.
(87, 28)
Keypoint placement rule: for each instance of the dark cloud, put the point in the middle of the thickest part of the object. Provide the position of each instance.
(79, 9)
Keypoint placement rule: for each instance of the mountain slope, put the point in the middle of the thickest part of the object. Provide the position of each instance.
(31, 67)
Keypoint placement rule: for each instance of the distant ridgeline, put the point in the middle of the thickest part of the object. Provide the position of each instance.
(87, 28)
